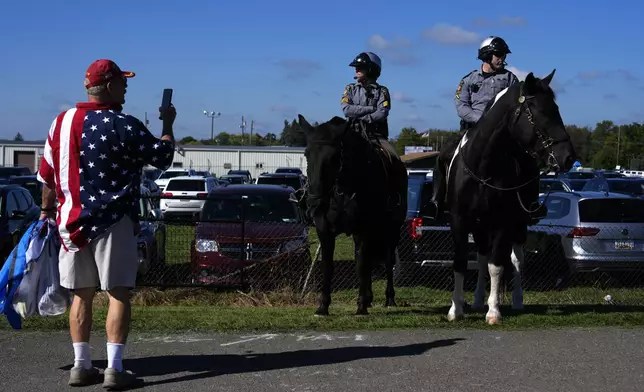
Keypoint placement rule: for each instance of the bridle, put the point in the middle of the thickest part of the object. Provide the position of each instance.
(545, 142)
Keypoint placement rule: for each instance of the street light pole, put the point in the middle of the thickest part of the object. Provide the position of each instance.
(213, 115)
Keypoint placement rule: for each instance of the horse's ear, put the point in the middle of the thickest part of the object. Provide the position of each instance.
(548, 78)
(529, 83)
(304, 125)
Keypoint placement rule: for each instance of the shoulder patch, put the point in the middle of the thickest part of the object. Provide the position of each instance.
(345, 94)
(386, 97)
(459, 88)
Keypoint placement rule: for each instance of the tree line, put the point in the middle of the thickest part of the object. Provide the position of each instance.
(604, 146)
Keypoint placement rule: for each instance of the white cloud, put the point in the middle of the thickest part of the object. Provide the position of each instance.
(401, 97)
(519, 73)
(446, 34)
(397, 50)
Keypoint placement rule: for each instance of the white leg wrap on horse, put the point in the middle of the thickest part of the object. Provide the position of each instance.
(517, 291)
(493, 315)
(479, 293)
(458, 297)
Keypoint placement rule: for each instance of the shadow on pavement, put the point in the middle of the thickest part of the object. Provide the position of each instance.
(206, 366)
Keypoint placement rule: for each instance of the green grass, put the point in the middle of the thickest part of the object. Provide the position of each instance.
(179, 239)
(182, 310)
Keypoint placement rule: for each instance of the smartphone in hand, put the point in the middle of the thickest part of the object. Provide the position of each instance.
(166, 101)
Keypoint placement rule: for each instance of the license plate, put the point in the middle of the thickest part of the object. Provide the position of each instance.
(624, 245)
(470, 238)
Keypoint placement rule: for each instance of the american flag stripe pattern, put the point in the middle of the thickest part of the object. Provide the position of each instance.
(93, 160)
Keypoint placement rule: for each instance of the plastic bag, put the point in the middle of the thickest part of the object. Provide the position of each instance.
(54, 299)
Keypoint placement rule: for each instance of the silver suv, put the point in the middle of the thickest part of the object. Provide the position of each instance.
(588, 232)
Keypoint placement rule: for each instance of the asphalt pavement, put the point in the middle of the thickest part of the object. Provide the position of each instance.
(423, 360)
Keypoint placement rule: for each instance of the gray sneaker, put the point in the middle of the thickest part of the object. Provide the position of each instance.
(115, 380)
(80, 377)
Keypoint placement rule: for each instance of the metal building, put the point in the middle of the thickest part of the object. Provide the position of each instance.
(21, 153)
(216, 159)
(257, 159)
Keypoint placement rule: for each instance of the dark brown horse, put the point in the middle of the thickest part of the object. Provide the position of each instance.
(358, 187)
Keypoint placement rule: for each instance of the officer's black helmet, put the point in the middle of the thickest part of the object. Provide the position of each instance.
(370, 62)
(493, 45)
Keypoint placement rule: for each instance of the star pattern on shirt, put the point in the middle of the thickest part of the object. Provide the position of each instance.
(114, 148)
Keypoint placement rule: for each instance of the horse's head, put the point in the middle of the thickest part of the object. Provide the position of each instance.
(323, 155)
(337, 160)
(535, 123)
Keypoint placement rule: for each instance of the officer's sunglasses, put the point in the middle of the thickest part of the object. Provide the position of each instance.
(500, 55)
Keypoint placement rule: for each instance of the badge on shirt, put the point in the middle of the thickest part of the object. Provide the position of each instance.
(459, 88)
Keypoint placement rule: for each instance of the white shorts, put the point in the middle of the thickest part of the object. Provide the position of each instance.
(109, 261)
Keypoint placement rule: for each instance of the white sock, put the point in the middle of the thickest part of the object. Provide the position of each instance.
(115, 356)
(81, 355)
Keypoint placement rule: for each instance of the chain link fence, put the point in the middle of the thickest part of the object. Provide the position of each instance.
(236, 243)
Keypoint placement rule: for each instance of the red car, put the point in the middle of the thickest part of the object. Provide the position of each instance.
(250, 235)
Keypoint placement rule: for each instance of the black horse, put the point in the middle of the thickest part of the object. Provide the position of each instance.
(357, 186)
(493, 180)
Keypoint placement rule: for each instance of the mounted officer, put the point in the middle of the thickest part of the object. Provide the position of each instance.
(474, 92)
(367, 101)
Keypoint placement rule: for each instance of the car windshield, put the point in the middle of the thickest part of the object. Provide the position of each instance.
(551, 186)
(293, 182)
(288, 170)
(577, 185)
(172, 174)
(186, 185)
(234, 180)
(580, 175)
(419, 192)
(257, 208)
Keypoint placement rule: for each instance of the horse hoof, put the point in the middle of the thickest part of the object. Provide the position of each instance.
(455, 317)
(321, 312)
(493, 320)
(362, 312)
(390, 303)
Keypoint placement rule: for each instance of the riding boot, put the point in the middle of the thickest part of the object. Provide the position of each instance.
(437, 202)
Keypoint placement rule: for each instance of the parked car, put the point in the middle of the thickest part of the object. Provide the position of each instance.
(587, 232)
(154, 192)
(185, 196)
(242, 227)
(31, 184)
(236, 179)
(152, 237)
(245, 173)
(7, 172)
(163, 179)
(295, 181)
(425, 247)
(17, 211)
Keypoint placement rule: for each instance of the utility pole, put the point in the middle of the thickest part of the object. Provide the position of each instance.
(619, 137)
(147, 123)
(213, 115)
(243, 128)
(252, 125)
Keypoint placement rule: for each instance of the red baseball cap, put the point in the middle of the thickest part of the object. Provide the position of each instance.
(101, 71)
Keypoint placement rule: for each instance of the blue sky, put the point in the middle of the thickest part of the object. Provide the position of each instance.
(269, 60)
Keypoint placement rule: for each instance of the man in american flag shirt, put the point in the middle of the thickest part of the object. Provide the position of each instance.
(92, 165)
